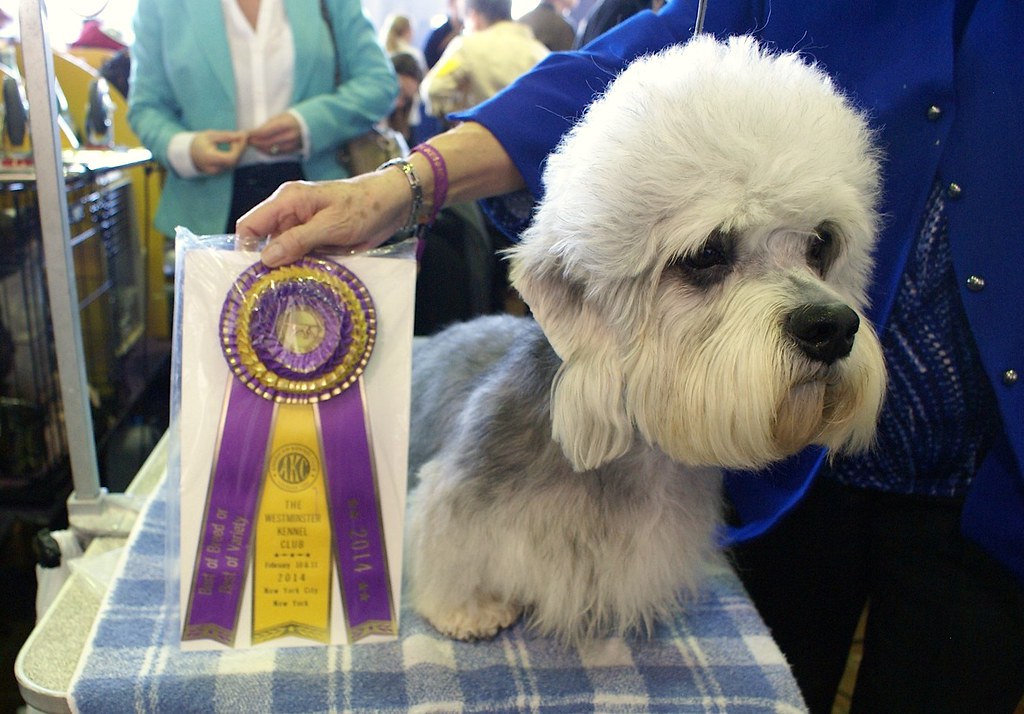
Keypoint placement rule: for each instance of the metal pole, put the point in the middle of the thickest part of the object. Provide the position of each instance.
(60, 271)
(702, 8)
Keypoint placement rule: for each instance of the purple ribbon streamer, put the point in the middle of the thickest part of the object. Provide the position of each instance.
(222, 560)
(355, 514)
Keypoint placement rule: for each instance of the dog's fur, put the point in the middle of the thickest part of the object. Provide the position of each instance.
(697, 272)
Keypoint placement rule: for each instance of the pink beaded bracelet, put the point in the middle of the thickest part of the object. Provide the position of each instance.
(440, 171)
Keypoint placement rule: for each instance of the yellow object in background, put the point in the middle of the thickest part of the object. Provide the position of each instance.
(75, 71)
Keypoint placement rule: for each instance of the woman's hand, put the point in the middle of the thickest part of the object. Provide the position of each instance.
(353, 214)
(279, 134)
(214, 151)
(362, 212)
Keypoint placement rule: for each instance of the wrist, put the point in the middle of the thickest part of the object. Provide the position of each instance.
(436, 187)
(426, 176)
(179, 155)
(414, 196)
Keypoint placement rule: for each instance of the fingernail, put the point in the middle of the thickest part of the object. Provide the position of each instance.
(272, 254)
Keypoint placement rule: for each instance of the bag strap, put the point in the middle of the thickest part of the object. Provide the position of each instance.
(334, 43)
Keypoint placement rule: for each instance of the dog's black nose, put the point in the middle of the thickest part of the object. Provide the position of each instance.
(824, 332)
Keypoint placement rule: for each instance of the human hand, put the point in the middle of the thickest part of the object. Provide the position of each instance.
(301, 216)
(280, 134)
(362, 212)
(214, 151)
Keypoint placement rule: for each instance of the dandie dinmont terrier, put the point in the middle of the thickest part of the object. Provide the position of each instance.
(697, 273)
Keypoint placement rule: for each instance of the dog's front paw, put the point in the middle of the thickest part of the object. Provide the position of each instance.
(479, 620)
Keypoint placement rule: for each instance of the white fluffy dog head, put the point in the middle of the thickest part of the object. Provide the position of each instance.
(700, 261)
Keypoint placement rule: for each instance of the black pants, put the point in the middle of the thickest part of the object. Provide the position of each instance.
(255, 183)
(945, 628)
(456, 270)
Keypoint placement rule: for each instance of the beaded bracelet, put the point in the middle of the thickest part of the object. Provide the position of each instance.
(440, 171)
(417, 194)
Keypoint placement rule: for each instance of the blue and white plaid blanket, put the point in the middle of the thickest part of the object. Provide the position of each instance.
(716, 657)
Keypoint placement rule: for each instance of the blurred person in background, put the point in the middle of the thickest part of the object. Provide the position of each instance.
(405, 116)
(235, 97)
(94, 34)
(489, 55)
(396, 38)
(549, 24)
(116, 69)
(606, 14)
(443, 33)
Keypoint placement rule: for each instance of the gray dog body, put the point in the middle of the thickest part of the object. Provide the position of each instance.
(504, 516)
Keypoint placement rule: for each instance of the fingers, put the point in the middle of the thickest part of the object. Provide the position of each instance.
(233, 150)
(292, 217)
(278, 213)
(290, 246)
(279, 134)
(280, 124)
(302, 240)
(266, 137)
(302, 216)
(214, 151)
(278, 144)
(216, 136)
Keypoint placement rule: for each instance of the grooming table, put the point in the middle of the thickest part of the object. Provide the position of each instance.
(717, 657)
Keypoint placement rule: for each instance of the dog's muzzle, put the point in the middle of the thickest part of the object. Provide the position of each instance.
(824, 333)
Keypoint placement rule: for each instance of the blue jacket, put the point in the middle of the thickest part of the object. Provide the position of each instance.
(182, 80)
(895, 58)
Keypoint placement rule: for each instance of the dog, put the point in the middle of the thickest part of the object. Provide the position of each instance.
(697, 275)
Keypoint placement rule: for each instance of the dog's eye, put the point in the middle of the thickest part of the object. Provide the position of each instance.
(707, 257)
(716, 252)
(710, 263)
(822, 248)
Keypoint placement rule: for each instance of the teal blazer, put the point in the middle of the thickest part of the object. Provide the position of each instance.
(182, 80)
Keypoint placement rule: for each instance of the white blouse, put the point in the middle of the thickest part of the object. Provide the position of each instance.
(263, 59)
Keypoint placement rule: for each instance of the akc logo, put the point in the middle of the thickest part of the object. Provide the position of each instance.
(294, 467)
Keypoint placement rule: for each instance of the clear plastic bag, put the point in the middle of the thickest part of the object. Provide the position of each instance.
(279, 378)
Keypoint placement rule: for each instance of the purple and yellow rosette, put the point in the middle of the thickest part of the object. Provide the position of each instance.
(293, 481)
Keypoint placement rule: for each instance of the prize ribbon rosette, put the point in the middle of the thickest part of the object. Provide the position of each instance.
(296, 340)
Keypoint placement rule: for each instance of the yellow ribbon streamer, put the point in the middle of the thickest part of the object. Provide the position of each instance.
(292, 557)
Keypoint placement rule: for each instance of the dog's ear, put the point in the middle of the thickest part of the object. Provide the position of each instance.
(588, 416)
